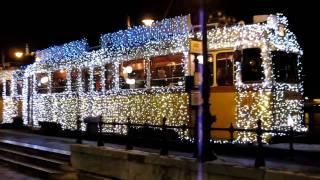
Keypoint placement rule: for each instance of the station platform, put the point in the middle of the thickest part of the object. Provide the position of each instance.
(62, 146)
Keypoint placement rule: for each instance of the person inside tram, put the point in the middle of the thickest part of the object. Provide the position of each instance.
(162, 77)
(109, 80)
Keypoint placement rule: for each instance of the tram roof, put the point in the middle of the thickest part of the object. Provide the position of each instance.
(173, 33)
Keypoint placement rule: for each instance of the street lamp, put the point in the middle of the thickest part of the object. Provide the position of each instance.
(18, 54)
(148, 22)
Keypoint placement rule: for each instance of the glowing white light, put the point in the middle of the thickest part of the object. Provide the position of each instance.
(130, 81)
(200, 59)
(127, 69)
(290, 121)
(44, 79)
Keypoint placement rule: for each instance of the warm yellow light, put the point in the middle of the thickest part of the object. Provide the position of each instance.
(148, 22)
(316, 100)
(18, 54)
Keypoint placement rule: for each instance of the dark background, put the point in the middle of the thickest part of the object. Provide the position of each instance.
(47, 23)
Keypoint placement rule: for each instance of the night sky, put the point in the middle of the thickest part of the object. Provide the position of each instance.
(57, 22)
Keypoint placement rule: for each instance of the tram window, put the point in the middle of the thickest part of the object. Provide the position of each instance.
(210, 63)
(167, 70)
(85, 79)
(74, 80)
(285, 66)
(108, 76)
(59, 81)
(132, 74)
(19, 87)
(224, 69)
(198, 68)
(8, 87)
(97, 73)
(251, 66)
(1, 89)
(42, 80)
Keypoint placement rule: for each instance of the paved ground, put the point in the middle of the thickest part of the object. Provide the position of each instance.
(6, 173)
(63, 144)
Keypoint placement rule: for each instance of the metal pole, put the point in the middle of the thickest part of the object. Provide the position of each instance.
(129, 145)
(100, 136)
(259, 162)
(79, 133)
(206, 153)
(164, 147)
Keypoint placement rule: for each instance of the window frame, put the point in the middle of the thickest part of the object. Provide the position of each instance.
(216, 67)
(166, 79)
(47, 88)
(261, 67)
(59, 89)
(296, 68)
(145, 74)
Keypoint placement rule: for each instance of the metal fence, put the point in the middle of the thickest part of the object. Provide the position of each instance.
(259, 159)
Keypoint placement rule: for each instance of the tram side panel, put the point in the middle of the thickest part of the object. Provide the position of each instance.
(140, 108)
(223, 107)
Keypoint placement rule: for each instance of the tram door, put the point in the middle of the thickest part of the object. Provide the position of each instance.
(29, 101)
(223, 92)
(19, 92)
(1, 102)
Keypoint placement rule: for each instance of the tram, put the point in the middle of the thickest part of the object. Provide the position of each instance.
(147, 73)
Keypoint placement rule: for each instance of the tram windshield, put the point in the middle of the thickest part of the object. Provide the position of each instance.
(251, 66)
(285, 67)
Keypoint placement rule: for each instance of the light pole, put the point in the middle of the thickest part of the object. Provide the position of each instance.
(205, 153)
(17, 54)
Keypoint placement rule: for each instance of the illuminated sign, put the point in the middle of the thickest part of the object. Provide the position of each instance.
(195, 46)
